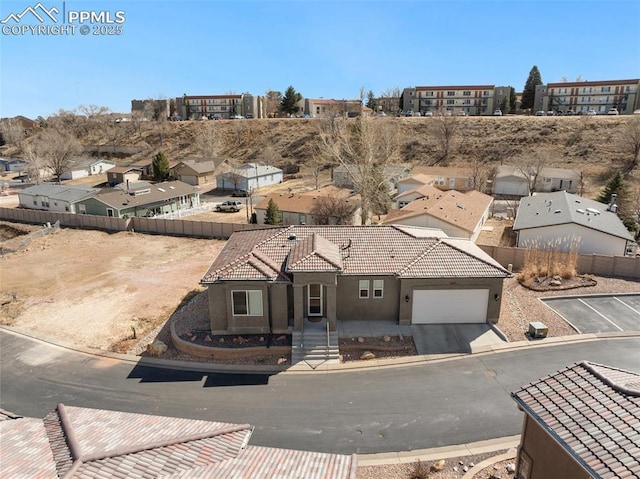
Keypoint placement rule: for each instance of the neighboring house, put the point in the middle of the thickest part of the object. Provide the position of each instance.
(122, 174)
(426, 190)
(78, 442)
(580, 422)
(196, 171)
(145, 167)
(156, 199)
(83, 168)
(413, 182)
(249, 177)
(50, 197)
(347, 176)
(569, 222)
(12, 164)
(298, 209)
(459, 215)
(514, 181)
(446, 177)
(270, 280)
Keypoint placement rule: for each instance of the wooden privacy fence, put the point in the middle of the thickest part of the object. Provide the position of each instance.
(194, 229)
(601, 265)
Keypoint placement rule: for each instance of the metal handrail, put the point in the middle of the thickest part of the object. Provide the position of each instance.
(326, 352)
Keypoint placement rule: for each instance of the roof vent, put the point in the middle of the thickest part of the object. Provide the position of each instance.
(557, 211)
(292, 237)
(580, 211)
(593, 211)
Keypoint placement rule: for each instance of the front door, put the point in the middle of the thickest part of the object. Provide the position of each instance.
(314, 300)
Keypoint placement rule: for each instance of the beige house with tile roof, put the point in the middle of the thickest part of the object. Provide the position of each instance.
(459, 215)
(77, 442)
(271, 280)
(580, 422)
(446, 177)
(298, 209)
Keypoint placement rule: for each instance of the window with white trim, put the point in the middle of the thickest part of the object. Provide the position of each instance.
(247, 303)
(363, 289)
(378, 288)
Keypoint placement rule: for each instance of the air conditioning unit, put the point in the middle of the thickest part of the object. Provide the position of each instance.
(538, 330)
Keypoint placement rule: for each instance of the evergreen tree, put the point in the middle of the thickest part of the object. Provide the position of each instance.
(617, 185)
(289, 100)
(160, 167)
(513, 100)
(371, 101)
(529, 92)
(272, 215)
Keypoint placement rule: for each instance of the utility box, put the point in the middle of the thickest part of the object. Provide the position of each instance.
(538, 330)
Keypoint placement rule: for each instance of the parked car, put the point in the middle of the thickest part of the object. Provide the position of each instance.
(591, 112)
(540, 113)
(229, 206)
(239, 193)
(461, 113)
(427, 113)
(636, 112)
(613, 111)
(570, 113)
(237, 117)
(550, 113)
(497, 113)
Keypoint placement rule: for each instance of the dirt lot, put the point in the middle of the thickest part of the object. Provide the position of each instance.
(89, 287)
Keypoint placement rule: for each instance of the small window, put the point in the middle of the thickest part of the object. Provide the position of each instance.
(364, 289)
(247, 303)
(378, 288)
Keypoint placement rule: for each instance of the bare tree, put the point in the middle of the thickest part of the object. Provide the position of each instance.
(35, 162)
(630, 142)
(272, 99)
(391, 92)
(364, 146)
(329, 210)
(531, 165)
(445, 129)
(207, 141)
(55, 149)
(12, 133)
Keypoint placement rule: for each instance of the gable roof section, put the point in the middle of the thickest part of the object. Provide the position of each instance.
(362, 250)
(446, 171)
(70, 194)
(314, 253)
(304, 202)
(199, 165)
(427, 191)
(592, 411)
(464, 210)
(551, 209)
(77, 442)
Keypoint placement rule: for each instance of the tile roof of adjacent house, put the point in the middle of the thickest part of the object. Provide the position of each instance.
(560, 207)
(200, 165)
(70, 194)
(464, 210)
(77, 442)
(593, 412)
(446, 171)
(428, 191)
(129, 198)
(304, 202)
(122, 169)
(405, 252)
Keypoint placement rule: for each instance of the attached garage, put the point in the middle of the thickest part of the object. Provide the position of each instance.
(435, 306)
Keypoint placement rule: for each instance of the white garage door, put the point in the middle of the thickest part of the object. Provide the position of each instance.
(189, 179)
(450, 306)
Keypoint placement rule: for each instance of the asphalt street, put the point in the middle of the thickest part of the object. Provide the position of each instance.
(377, 410)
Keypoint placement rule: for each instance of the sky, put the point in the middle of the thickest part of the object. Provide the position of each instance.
(331, 48)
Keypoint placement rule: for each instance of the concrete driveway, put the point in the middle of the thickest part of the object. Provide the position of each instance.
(600, 313)
(428, 338)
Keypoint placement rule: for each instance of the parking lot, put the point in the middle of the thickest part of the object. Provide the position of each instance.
(599, 314)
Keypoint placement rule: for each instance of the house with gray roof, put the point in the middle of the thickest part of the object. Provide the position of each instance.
(141, 200)
(567, 222)
(271, 280)
(77, 442)
(580, 422)
(196, 171)
(510, 180)
(53, 197)
(86, 167)
(249, 177)
(347, 176)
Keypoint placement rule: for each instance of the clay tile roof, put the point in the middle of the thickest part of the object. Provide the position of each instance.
(351, 250)
(314, 253)
(83, 443)
(593, 412)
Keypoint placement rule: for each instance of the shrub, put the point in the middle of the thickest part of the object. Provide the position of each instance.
(419, 471)
(558, 258)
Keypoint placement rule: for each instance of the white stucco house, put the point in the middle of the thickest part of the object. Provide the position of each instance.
(514, 181)
(51, 197)
(564, 221)
(249, 177)
(83, 168)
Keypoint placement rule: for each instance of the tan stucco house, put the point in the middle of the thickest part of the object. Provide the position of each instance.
(271, 280)
(459, 215)
(580, 422)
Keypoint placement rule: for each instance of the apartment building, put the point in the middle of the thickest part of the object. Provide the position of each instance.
(195, 107)
(153, 110)
(580, 97)
(321, 107)
(467, 99)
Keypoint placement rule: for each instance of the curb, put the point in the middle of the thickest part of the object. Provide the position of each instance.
(488, 462)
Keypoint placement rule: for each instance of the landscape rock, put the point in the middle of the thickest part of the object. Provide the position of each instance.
(367, 355)
(207, 338)
(361, 340)
(282, 360)
(157, 348)
(511, 467)
(438, 466)
(386, 338)
(555, 282)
